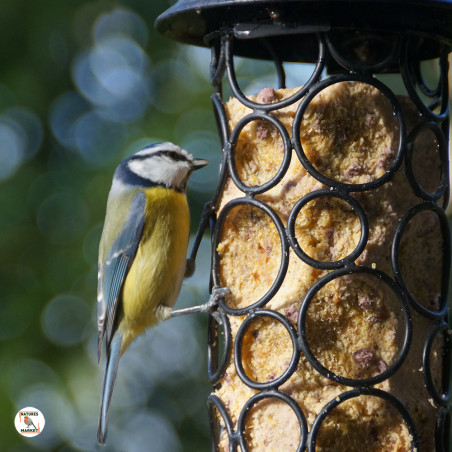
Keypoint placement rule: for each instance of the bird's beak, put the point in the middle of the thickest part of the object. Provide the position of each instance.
(199, 163)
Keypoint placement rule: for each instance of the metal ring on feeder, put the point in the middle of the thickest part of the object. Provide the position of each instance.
(417, 209)
(215, 403)
(231, 153)
(248, 201)
(303, 335)
(315, 77)
(410, 73)
(304, 104)
(256, 398)
(328, 265)
(217, 369)
(349, 39)
(441, 399)
(277, 381)
(354, 393)
(442, 432)
(443, 158)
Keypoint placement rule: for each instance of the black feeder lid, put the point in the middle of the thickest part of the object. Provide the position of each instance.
(280, 21)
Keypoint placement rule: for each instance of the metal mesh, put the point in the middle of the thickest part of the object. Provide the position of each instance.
(391, 51)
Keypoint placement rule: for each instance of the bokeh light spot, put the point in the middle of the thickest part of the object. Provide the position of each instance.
(121, 21)
(150, 432)
(66, 320)
(13, 143)
(64, 112)
(32, 127)
(113, 76)
(98, 141)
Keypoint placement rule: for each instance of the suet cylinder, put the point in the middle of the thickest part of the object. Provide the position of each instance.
(331, 232)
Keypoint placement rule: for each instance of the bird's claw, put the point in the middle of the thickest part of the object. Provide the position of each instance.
(209, 306)
(217, 294)
(212, 304)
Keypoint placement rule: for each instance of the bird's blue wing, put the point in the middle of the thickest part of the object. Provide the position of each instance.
(113, 272)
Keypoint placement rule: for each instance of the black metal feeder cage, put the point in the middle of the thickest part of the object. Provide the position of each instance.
(351, 47)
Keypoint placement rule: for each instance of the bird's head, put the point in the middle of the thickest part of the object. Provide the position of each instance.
(159, 164)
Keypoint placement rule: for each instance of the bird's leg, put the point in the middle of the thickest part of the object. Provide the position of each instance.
(209, 306)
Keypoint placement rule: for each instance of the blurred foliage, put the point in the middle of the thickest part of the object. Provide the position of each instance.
(83, 84)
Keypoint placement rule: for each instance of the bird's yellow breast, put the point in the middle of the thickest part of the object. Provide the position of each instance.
(158, 269)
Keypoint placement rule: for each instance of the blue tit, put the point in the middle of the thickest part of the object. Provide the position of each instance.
(142, 252)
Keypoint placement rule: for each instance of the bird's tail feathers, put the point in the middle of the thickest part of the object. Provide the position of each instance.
(100, 339)
(108, 385)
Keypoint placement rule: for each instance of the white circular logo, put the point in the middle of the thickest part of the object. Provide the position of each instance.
(29, 421)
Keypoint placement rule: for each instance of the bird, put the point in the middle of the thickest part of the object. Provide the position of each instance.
(142, 252)
(29, 422)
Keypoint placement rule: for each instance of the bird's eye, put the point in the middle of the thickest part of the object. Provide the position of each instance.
(176, 156)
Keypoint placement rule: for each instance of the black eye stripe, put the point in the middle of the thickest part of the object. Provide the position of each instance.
(176, 156)
(172, 154)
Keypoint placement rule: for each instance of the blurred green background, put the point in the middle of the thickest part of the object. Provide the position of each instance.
(84, 84)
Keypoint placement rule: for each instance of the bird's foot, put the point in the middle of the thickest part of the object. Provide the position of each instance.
(212, 303)
(217, 294)
(210, 306)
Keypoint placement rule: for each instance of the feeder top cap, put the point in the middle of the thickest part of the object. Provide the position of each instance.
(193, 21)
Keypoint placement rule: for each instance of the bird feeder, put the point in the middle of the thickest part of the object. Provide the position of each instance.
(328, 224)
